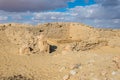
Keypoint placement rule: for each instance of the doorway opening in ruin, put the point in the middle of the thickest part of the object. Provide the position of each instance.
(52, 48)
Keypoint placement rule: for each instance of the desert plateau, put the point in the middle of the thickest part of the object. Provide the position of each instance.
(59, 51)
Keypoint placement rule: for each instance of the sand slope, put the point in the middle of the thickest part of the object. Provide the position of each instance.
(75, 52)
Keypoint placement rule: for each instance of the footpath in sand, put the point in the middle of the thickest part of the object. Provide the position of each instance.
(59, 51)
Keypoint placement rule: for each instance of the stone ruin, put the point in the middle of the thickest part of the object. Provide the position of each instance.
(27, 41)
(51, 37)
(41, 46)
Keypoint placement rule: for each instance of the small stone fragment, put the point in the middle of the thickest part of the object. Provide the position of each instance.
(116, 60)
(61, 69)
(75, 66)
(103, 73)
(113, 73)
(73, 72)
(66, 77)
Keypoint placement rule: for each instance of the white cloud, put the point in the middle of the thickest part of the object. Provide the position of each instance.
(50, 16)
(3, 18)
(97, 15)
(94, 15)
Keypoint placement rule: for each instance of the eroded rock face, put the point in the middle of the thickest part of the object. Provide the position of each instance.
(71, 37)
(24, 50)
(28, 42)
(42, 44)
(84, 45)
(39, 46)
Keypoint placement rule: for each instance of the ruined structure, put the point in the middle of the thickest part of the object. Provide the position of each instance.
(51, 37)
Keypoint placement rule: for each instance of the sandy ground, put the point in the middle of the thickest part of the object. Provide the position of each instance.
(97, 64)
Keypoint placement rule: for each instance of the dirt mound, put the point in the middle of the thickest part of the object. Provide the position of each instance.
(78, 36)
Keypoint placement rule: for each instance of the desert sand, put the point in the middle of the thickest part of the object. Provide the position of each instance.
(58, 51)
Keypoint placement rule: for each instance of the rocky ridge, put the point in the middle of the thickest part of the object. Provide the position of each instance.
(52, 37)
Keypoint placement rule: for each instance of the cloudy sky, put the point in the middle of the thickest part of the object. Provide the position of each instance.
(97, 13)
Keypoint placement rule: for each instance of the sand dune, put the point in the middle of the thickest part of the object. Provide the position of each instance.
(59, 51)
